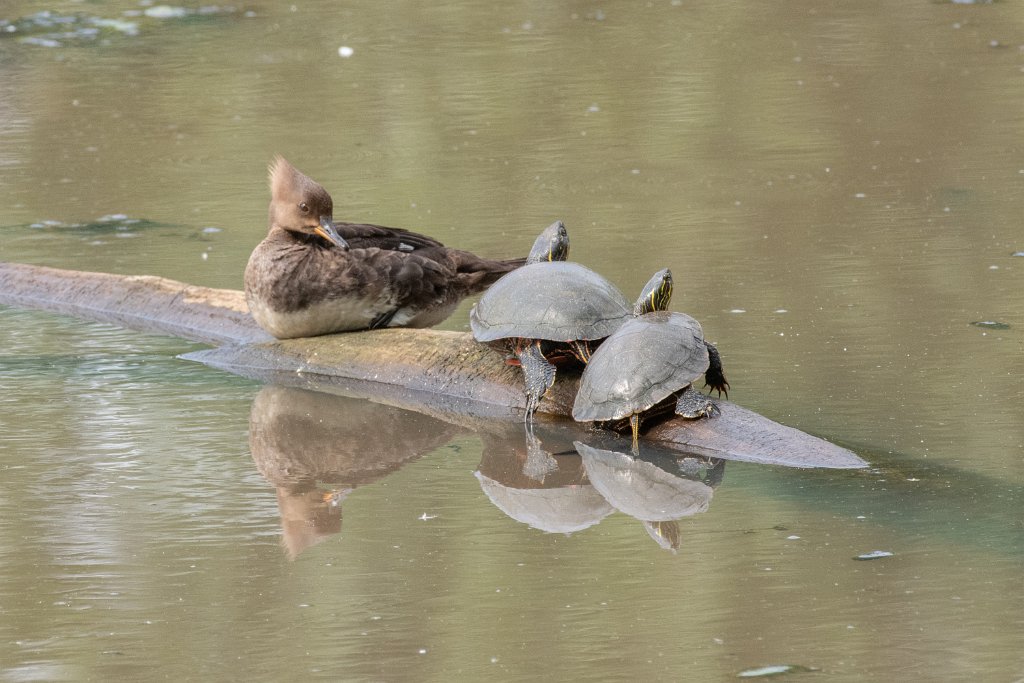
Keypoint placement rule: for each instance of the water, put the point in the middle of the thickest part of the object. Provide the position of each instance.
(837, 191)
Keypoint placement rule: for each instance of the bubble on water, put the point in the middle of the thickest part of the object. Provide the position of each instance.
(345, 51)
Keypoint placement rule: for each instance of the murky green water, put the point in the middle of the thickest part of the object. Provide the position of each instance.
(838, 189)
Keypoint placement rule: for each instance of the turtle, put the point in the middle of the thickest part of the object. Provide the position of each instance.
(546, 308)
(649, 364)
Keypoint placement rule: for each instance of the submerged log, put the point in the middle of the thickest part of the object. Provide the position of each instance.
(438, 372)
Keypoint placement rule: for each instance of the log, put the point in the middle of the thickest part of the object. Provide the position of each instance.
(442, 373)
(139, 302)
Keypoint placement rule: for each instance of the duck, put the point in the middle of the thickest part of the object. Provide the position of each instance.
(312, 276)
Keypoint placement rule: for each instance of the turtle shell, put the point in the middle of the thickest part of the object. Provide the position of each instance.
(557, 301)
(646, 360)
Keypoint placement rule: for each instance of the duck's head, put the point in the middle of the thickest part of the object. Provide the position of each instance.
(301, 205)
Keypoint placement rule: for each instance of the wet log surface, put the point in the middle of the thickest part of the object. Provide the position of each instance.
(436, 372)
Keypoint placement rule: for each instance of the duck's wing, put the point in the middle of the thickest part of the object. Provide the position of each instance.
(369, 236)
(412, 283)
(440, 273)
(402, 283)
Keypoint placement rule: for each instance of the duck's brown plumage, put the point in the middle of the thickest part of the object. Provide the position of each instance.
(302, 280)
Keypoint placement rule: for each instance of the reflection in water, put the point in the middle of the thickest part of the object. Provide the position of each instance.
(560, 500)
(539, 462)
(543, 476)
(300, 439)
(563, 485)
(655, 487)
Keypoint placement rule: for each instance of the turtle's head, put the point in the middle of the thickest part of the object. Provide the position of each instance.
(551, 245)
(656, 295)
(301, 205)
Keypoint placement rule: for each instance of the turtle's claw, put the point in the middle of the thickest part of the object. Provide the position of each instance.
(722, 388)
(531, 407)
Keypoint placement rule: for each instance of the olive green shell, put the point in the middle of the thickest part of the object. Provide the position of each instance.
(645, 361)
(557, 301)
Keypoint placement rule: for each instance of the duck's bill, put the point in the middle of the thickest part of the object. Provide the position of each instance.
(327, 231)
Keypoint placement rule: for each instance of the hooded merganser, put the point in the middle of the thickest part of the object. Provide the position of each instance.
(312, 276)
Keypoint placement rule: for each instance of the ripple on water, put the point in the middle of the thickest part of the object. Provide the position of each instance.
(991, 325)
(55, 30)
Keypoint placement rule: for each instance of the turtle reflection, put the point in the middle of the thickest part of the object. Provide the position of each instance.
(539, 483)
(301, 440)
(657, 487)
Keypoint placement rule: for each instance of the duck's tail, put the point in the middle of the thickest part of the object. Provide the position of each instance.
(479, 273)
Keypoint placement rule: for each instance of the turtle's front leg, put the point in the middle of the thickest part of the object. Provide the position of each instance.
(537, 371)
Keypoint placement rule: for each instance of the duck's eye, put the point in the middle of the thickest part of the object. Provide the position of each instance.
(304, 207)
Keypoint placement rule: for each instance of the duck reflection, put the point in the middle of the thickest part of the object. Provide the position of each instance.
(302, 440)
(539, 483)
(656, 487)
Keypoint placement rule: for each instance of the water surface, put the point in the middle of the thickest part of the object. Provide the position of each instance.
(837, 189)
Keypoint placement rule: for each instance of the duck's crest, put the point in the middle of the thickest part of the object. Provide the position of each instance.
(280, 172)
